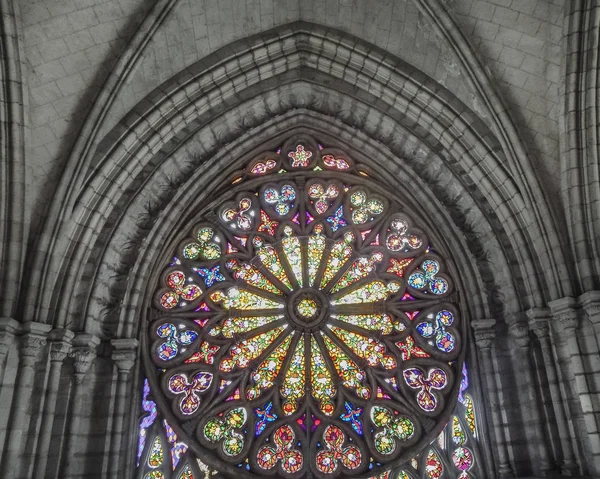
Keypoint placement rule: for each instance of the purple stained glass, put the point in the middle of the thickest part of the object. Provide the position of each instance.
(464, 384)
(178, 449)
(150, 407)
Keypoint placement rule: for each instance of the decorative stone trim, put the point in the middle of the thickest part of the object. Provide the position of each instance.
(485, 332)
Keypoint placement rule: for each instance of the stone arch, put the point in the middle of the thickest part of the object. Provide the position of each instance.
(304, 52)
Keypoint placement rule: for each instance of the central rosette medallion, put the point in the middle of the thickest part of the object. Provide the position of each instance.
(308, 309)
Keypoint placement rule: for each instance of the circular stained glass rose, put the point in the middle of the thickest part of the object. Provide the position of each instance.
(309, 327)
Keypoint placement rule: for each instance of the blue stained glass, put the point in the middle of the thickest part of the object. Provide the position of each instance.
(353, 417)
(210, 275)
(264, 416)
(337, 220)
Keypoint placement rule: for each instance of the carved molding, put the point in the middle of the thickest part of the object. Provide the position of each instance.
(519, 334)
(591, 304)
(538, 320)
(124, 353)
(84, 352)
(564, 315)
(60, 344)
(485, 332)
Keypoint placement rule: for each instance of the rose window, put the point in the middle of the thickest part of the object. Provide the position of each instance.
(306, 326)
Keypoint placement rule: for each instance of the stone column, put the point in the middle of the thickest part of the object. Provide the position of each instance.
(539, 324)
(31, 344)
(60, 347)
(522, 357)
(485, 333)
(124, 356)
(567, 320)
(8, 328)
(84, 353)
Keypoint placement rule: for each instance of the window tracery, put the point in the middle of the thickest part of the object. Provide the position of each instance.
(309, 328)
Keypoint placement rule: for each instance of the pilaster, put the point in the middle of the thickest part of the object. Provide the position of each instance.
(567, 321)
(83, 353)
(60, 347)
(539, 320)
(31, 343)
(124, 356)
(529, 398)
(485, 333)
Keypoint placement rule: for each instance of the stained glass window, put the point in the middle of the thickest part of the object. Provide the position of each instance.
(310, 327)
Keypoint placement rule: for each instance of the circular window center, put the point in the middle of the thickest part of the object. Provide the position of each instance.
(307, 309)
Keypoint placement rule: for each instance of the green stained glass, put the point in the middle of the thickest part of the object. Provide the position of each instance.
(470, 414)
(232, 326)
(340, 253)
(367, 348)
(316, 247)
(266, 373)
(372, 322)
(245, 351)
(224, 429)
(252, 276)
(458, 435)
(369, 293)
(154, 475)
(206, 248)
(306, 322)
(352, 376)
(292, 388)
(269, 257)
(242, 299)
(307, 307)
(323, 389)
(156, 456)
(361, 268)
(293, 254)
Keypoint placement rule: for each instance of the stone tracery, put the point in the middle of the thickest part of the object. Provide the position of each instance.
(303, 291)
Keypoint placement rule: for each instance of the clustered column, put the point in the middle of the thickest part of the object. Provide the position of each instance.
(566, 318)
(539, 324)
(485, 333)
(522, 358)
(60, 347)
(31, 344)
(124, 356)
(84, 352)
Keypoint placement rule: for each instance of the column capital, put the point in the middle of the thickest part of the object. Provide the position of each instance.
(538, 319)
(564, 314)
(124, 353)
(32, 340)
(591, 305)
(60, 344)
(519, 333)
(84, 352)
(485, 332)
